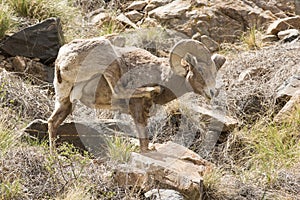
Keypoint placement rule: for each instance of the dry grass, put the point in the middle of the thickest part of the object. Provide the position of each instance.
(25, 100)
(262, 158)
(252, 39)
(252, 79)
(42, 176)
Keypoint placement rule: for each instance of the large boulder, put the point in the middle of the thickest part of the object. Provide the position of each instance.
(41, 41)
(220, 20)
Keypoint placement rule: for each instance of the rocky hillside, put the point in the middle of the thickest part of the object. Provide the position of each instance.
(244, 144)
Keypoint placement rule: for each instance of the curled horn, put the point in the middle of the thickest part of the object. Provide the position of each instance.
(188, 47)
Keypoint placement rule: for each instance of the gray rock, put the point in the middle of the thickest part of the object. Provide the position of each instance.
(41, 41)
(288, 35)
(161, 194)
(289, 87)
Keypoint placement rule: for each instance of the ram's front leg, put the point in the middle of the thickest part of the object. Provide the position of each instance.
(62, 109)
(139, 110)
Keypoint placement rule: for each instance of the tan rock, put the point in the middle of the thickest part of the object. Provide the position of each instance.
(137, 5)
(269, 38)
(209, 43)
(283, 24)
(100, 17)
(123, 19)
(134, 16)
(174, 9)
(292, 105)
(171, 165)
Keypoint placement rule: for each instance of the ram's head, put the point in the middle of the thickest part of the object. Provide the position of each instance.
(191, 59)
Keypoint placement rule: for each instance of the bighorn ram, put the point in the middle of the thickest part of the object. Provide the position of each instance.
(129, 79)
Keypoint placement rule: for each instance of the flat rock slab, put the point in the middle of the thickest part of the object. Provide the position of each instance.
(86, 136)
(172, 10)
(283, 24)
(170, 165)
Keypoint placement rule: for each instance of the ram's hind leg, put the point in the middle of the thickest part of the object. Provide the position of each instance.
(139, 107)
(63, 108)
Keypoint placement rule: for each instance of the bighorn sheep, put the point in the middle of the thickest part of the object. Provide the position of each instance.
(129, 79)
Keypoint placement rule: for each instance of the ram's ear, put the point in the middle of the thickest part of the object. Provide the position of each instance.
(219, 60)
(191, 51)
(190, 59)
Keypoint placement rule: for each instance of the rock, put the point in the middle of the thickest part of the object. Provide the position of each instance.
(90, 136)
(220, 20)
(227, 123)
(289, 87)
(41, 41)
(150, 22)
(26, 66)
(161, 194)
(134, 16)
(137, 5)
(123, 19)
(288, 35)
(158, 3)
(117, 40)
(292, 105)
(171, 165)
(175, 9)
(210, 43)
(99, 18)
(251, 72)
(283, 24)
(288, 92)
(269, 38)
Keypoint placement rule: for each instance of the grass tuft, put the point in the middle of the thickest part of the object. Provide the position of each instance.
(119, 149)
(10, 189)
(268, 148)
(7, 139)
(252, 39)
